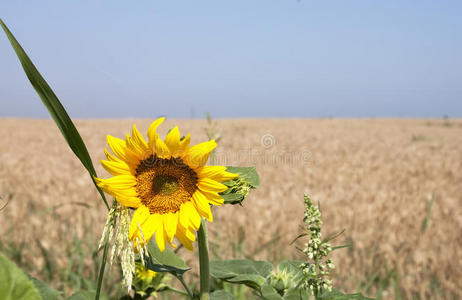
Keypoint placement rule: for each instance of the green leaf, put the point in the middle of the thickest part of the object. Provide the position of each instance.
(82, 295)
(45, 291)
(86, 295)
(166, 261)
(337, 295)
(54, 106)
(296, 294)
(270, 293)
(250, 273)
(248, 173)
(232, 198)
(14, 284)
(221, 295)
(239, 188)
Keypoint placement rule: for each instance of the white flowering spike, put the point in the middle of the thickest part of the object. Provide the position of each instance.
(116, 230)
(316, 270)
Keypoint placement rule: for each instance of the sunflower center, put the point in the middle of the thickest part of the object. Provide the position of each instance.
(163, 185)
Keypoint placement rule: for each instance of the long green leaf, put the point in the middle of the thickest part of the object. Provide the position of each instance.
(54, 106)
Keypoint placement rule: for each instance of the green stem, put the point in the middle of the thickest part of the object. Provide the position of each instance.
(204, 265)
(180, 278)
(316, 287)
(103, 265)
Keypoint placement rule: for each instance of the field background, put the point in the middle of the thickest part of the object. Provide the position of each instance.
(375, 178)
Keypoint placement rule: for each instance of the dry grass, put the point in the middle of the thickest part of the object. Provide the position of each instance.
(374, 178)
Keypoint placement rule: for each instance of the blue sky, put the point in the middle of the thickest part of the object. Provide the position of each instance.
(269, 58)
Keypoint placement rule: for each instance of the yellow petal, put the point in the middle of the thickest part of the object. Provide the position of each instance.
(120, 191)
(189, 217)
(217, 173)
(213, 198)
(119, 181)
(180, 235)
(138, 138)
(126, 200)
(124, 191)
(116, 167)
(140, 216)
(202, 205)
(151, 225)
(116, 184)
(198, 155)
(133, 202)
(134, 147)
(173, 141)
(184, 145)
(152, 132)
(189, 234)
(209, 185)
(194, 217)
(162, 150)
(171, 222)
(119, 147)
(109, 156)
(217, 201)
(160, 236)
(210, 171)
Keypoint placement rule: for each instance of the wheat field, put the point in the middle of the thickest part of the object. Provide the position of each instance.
(394, 185)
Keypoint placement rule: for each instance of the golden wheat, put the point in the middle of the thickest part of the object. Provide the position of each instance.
(373, 177)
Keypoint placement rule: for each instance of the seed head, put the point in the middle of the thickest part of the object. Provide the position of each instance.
(316, 269)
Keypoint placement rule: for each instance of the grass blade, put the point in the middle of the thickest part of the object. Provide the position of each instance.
(429, 210)
(298, 237)
(333, 236)
(343, 246)
(54, 106)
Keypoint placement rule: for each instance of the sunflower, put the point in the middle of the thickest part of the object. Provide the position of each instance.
(166, 181)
